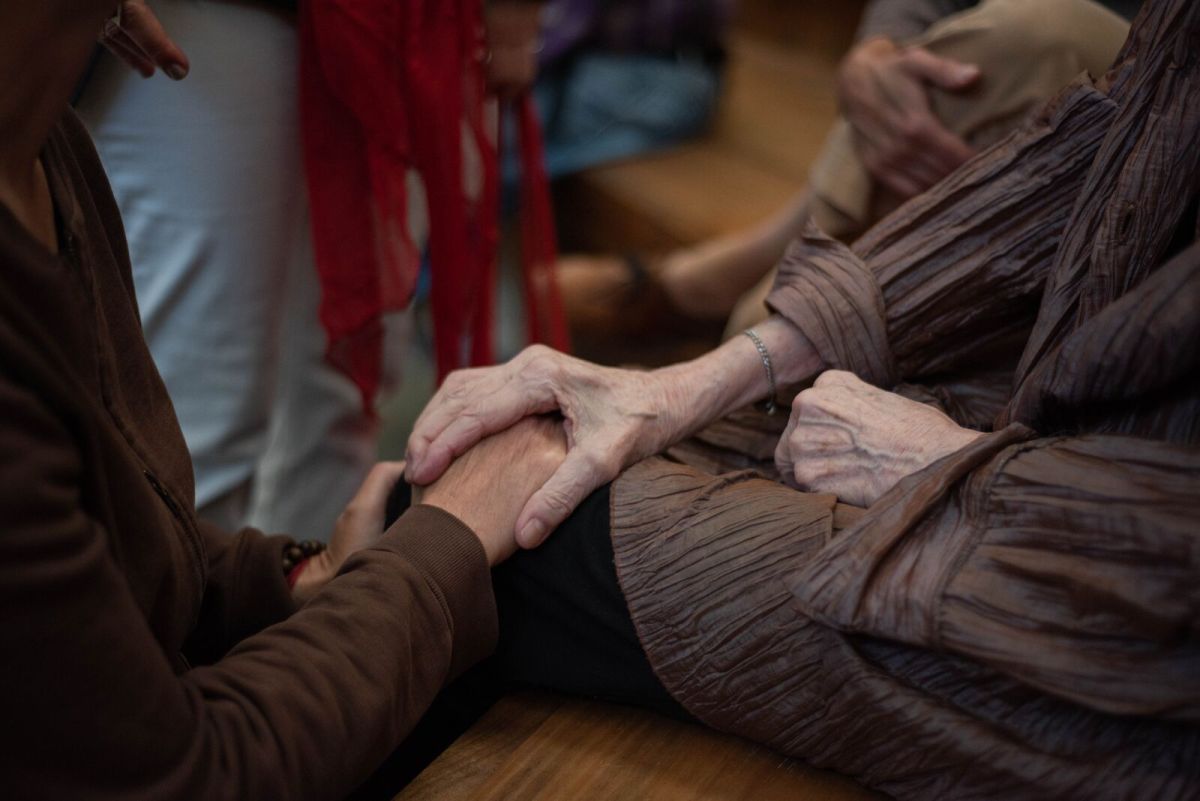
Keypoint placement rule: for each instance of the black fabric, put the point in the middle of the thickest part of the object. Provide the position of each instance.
(564, 626)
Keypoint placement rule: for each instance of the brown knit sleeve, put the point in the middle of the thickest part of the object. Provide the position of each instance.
(246, 590)
(995, 553)
(302, 710)
(953, 277)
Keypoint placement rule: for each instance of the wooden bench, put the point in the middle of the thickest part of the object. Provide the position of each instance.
(777, 105)
(539, 747)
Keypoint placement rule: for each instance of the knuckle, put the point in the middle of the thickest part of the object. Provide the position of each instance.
(597, 463)
(833, 378)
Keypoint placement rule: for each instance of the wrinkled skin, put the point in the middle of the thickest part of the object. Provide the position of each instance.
(485, 489)
(612, 419)
(855, 441)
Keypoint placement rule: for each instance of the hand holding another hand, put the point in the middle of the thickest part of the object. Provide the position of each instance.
(611, 418)
(856, 441)
(487, 487)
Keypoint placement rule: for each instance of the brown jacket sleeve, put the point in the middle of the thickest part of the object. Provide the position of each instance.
(952, 280)
(304, 709)
(1070, 564)
(246, 590)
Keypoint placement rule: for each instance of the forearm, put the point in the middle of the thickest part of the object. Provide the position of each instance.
(734, 375)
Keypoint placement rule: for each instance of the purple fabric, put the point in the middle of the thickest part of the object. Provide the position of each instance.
(637, 25)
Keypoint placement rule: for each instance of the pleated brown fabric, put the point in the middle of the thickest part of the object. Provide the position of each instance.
(1022, 618)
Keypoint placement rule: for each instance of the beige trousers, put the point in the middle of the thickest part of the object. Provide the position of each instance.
(1026, 50)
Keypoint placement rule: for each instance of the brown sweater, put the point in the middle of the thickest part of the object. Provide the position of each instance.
(147, 655)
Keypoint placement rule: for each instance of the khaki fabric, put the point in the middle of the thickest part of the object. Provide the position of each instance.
(1027, 51)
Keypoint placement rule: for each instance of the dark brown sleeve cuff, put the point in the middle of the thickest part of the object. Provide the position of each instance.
(452, 559)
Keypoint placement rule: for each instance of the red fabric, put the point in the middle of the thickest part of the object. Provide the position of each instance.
(545, 318)
(387, 86)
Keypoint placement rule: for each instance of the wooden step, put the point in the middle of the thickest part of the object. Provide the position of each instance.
(660, 202)
(777, 106)
(818, 27)
(537, 747)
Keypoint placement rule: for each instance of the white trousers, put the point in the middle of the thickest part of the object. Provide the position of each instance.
(209, 179)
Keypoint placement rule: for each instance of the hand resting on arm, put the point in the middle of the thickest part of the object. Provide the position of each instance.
(612, 417)
(485, 488)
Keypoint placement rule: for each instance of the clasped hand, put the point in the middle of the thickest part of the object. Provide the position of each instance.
(611, 418)
(855, 441)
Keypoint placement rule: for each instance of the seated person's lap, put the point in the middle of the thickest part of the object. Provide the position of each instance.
(564, 623)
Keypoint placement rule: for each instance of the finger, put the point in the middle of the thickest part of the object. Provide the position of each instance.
(920, 171)
(143, 27)
(456, 425)
(576, 478)
(784, 458)
(942, 72)
(123, 48)
(378, 484)
(451, 400)
(898, 181)
(946, 147)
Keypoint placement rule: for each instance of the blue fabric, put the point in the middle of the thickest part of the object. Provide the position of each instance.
(607, 106)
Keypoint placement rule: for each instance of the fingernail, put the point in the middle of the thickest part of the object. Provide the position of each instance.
(531, 535)
(176, 72)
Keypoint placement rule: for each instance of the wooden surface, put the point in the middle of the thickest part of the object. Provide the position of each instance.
(536, 747)
(773, 117)
(778, 102)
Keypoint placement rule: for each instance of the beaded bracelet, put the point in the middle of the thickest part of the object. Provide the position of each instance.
(298, 553)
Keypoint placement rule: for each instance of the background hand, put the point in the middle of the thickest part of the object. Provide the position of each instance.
(856, 441)
(142, 43)
(883, 90)
(612, 418)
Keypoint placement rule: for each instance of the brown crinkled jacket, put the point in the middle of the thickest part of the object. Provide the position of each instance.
(147, 655)
(1020, 620)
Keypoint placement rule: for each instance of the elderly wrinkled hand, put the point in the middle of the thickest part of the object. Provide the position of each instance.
(855, 441)
(883, 91)
(135, 35)
(611, 417)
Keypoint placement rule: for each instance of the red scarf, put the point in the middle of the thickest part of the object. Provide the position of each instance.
(389, 86)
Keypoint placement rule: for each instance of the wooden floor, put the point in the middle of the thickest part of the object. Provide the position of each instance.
(777, 104)
(538, 747)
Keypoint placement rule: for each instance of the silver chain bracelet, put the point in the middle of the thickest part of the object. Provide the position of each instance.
(766, 360)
